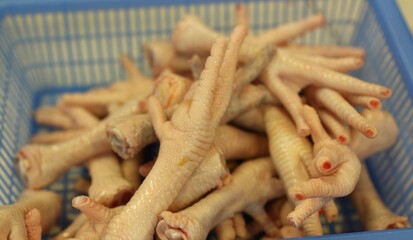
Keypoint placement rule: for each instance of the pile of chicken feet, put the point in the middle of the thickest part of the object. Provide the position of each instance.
(247, 124)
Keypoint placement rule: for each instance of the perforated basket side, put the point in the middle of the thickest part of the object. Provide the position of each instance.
(87, 37)
(15, 117)
(387, 41)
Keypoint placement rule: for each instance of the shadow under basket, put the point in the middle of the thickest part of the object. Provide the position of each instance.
(51, 47)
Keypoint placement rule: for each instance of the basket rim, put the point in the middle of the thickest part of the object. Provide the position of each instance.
(398, 37)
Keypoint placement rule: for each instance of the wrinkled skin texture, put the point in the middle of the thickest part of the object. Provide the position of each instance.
(98, 100)
(191, 28)
(98, 217)
(328, 153)
(286, 75)
(211, 173)
(287, 151)
(35, 213)
(335, 103)
(130, 134)
(253, 180)
(185, 140)
(17, 225)
(334, 126)
(341, 176)
(40, 165)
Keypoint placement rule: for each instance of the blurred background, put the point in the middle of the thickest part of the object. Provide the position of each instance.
(407, 10)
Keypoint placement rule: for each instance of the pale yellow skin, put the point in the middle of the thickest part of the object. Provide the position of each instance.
(64, 117)
(130, 170)
(237, 144)
(108, 185)
(73, 228)
(42, 164)
(97, 216)
(330, 51)
(335, 103)
(288, 150)
(191, 28)
(55, 137)
(232, 228)
(185, 140)
(286, 75)
(334, 126)
(161, 55)
(337, 58)
(211, 173)
(99, 99)
(338, 166)
(33, 214)
(253, 180)
(251, 120)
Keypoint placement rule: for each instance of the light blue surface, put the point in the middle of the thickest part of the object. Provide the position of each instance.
(51, 46)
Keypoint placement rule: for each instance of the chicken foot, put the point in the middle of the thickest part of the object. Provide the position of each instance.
(286, 75)
(185, 140)
(40, 165)
(63, 117)
(287, 149)
(253, 180)
(35, 212)
(161, 55)
(338, 166)
(336, 104)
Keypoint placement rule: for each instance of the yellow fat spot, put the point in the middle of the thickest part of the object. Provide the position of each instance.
(183, 162)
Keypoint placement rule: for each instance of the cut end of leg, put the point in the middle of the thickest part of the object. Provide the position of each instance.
(293, 222)
(79, 201)
(164, 231)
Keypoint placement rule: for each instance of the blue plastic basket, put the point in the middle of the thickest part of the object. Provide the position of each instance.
(49, 47)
